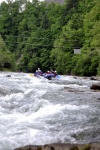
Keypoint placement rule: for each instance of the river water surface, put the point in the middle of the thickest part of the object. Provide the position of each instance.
(40, 111)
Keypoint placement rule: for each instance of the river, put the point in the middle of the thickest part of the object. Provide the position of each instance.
(40, 111)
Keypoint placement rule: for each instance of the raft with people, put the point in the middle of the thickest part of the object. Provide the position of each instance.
(48, 75)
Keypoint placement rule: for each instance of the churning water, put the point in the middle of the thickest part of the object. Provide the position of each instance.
(40, 111)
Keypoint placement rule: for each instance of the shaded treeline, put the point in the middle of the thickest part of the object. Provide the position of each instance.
(39, 34)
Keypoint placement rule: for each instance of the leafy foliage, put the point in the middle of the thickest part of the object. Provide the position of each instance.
(7, 61)
(44, 35)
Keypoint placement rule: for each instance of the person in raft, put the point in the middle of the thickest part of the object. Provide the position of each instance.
(38, 72)
(54, 72)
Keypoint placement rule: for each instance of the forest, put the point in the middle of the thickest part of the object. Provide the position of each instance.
(45, 35)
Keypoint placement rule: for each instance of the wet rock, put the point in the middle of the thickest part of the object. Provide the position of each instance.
(92, 78)
(95, 78)
(8, 75)
(28, 147)
(75, 77)
(95, 146)
(68, 89)
(95, 87)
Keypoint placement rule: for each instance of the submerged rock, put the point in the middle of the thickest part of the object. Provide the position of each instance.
(68, 89)
(8, 75)
(95, 78)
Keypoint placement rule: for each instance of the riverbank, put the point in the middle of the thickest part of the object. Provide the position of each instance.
(94, 146)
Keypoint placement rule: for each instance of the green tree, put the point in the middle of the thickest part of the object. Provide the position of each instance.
(7, 60)
(92, 36)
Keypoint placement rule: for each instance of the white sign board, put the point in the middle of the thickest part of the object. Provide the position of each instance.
(77, 51)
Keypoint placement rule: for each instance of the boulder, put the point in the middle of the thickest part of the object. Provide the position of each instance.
(95, 87)
(59, 146)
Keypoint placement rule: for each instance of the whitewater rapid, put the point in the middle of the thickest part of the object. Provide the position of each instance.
(40, 111)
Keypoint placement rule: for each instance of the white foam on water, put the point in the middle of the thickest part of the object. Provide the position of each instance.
(68, 78)
(75, 107)
(29, 117)
(16, 97)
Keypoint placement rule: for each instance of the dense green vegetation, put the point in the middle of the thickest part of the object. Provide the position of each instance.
(7, 61)
(44, 35)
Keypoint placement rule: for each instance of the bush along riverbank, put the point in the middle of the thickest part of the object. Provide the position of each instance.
(94, 146)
